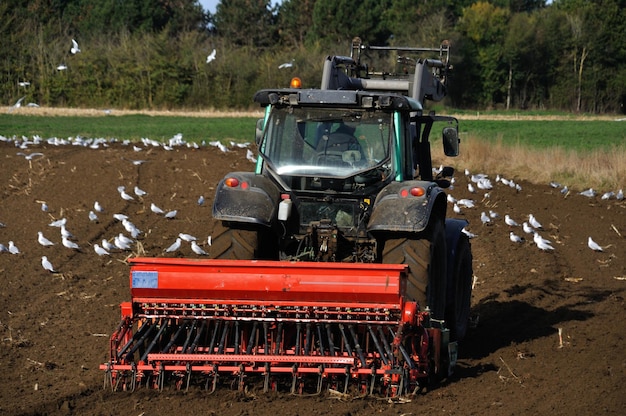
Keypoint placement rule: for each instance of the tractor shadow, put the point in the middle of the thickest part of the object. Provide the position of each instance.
(503, 323)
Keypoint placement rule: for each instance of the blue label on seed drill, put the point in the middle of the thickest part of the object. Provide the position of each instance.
(145, 280)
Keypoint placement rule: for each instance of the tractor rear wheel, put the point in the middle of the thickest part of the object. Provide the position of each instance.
(242, 244)
(458, 311)
(425, 254)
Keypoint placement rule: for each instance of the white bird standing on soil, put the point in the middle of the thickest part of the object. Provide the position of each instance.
(100, 251)
(527, 228)
(485, 218)
(589, 193)
(174, 247)
(593, 245)
(515, 238)
(47, 265)
(124, 195)
(70, 244)
(139, 192)
(98, 207)
(43, 240)
(542, 243)
(510, 221)
(456, 208)
(58, 223)
(92, 216)
(156, 209)
(107, 245)
(13, 248)
(171, 214)
(187, 237)
(533, 222)
(197, 249)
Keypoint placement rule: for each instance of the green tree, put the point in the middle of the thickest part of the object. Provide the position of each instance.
(246, 22)
(485, 27)
(295, 18)
(338, 21)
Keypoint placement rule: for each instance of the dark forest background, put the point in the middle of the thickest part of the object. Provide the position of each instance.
(152, 54)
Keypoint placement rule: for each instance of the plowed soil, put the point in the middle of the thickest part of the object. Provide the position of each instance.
(54, 327)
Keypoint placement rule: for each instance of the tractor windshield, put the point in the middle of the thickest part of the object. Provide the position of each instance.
(326, 142)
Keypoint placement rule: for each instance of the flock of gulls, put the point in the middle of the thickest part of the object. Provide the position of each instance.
(128, 235)
(520, 230)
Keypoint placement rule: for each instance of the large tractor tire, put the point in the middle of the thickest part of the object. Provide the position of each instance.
(242, 244)
(425, 254)
(458, 311)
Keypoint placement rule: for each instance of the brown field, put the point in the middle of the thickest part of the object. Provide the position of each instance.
(54, 327)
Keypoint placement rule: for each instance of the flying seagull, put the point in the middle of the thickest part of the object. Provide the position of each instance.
(75, 49)
(286, 64)
(211, 56)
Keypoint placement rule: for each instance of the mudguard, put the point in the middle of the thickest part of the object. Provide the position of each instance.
(254, 200)
(396, 209)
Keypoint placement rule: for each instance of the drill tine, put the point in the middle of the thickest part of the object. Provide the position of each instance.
(139, 342)
(214, 336)
(319, 338)
(377, 344)
(385, 342)
(252, 341)
(196, 340)
(307, 340)
(135, 337)
(345, 339)
(189, 334)
(279, 337)
(331, 345)
(174, 338)
(357, 346)
(154, 341)
(221, 346)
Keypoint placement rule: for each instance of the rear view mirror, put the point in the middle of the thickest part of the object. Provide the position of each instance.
(451, 141)
(259, 131)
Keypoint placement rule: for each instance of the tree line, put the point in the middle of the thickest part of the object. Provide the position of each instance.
(154, 54)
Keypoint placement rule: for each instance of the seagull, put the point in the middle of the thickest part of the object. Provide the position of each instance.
(13, 248)
(471, 188)
(493, 214)
(174, 246)
(75, 49)
(61, 67)
(120, 217)
(18, 103)
(533, 221)
(286, 64)
(43, 240)
(456, 208)
(201, 200)
(485, 218)
(593, 245)
(131, 228)
(589, 193)
(58, 223)
(467, 203)
(100, 251)
(451, 199)
(515, 238)
(527, 228)
(197, 249)
(510, 221)
(156, 209)
(620, 195)
(29, 156)
(47, 265)
(23, 83)
(171, 214)
(211, 56)
(124, 195)
(70, 244)
(565, 190)
(542, 243)
(107, 245)
(187, 237)
(44, 207)
(122, 242)
(468, 233)
(98, 207)
(139, 192)
(3, 248)
(250, 156)
(65, 233)
(608, 195)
